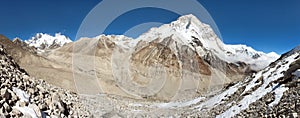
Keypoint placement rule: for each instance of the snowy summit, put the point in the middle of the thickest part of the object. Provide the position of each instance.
(191, 31)
(43, 41)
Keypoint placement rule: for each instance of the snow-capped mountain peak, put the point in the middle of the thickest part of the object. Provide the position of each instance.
(43, 41)
(17, 39)
(201, 37)
(257, 59)
(188, 22)
(190, 31)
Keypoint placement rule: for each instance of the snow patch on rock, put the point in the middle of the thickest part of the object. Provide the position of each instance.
(21, 94)
(297, 73)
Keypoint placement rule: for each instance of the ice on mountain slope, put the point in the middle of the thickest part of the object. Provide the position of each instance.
(278, 95)
(179, 104)
(45, 41)
(201, 37)
(217, 99)
(269, 75)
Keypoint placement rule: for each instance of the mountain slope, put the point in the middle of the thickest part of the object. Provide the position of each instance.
(23, 96)
(271, 92)
(37, 65)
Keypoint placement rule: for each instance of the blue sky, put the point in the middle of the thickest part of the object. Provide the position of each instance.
(267, 25)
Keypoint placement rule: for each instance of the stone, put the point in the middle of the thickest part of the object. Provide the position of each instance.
(7, 107)
(16, 112)
(41, 89)
(2, 102)
(30, 91)
(14, 97)
(55, 97)
(22, 103)
(295, 115)
(5, 94)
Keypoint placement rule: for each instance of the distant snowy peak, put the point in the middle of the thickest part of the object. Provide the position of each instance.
(243, 49)
(43, 41)
(257, 59)
(17, 39)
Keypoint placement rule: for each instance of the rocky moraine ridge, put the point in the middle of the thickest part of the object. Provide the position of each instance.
(23, 96)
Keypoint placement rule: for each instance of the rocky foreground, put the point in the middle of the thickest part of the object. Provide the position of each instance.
(23, 96)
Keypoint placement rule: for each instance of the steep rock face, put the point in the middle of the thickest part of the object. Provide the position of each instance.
(23, 96)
